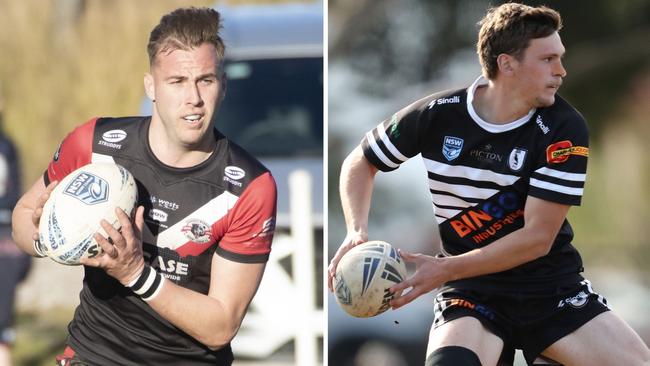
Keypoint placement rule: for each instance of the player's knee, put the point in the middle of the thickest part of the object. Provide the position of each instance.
(453, 356)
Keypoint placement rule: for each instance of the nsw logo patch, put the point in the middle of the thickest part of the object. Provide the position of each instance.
(88, 188)
(451, 147)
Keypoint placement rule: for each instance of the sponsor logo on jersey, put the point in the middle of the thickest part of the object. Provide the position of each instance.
(486, 154)
(268, 227)
(233, 174)
(517, 158)
(576, 301)
(559, 152)
(158, 215)
(114, 136)
(88, 188)
(488, 219)
(541, 125)
(163, 203)
(451, 147)
(453, 100)
(173, 269)
(111, 139)
(197, 231)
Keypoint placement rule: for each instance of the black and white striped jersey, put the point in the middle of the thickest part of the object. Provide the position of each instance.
(480, 174)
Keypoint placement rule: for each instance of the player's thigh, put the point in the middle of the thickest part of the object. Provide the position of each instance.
(604, 340)
(467, 332)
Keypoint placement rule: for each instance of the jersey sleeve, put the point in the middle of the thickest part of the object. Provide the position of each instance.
(251, 223)
(74, 152)
(397, 139)
(561, 169)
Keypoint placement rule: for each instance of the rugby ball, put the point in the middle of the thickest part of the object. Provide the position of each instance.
(364, 276)
(72, 214)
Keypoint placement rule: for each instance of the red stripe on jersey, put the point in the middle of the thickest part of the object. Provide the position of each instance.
(75, 151)
(248, 227)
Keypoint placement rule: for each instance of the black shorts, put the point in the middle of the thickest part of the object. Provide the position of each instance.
(530, 320)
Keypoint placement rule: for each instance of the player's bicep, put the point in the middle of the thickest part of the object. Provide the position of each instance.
(234, 284)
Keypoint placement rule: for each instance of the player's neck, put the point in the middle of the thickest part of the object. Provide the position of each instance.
(499, 104)
(174, 153)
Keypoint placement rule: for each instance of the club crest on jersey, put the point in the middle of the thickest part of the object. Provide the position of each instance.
(517, 158)
(559, 152)
(452, 147)
(88, 188)
(197, 230)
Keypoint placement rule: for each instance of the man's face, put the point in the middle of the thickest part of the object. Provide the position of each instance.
(187, 87)
(540, 71)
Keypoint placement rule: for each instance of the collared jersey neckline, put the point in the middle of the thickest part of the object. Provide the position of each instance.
(488, 126)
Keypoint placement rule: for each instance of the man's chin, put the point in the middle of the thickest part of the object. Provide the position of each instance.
(545, 101)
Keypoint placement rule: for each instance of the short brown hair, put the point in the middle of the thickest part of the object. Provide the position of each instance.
(184, 29)
(509, 28)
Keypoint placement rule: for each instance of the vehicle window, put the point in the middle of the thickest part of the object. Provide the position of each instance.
(274, 107)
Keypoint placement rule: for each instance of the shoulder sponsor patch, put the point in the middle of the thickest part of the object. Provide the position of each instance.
(559, 152)
(114, 136)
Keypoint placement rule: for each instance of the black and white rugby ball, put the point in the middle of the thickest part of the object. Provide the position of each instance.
(364, 276)
(72, 214)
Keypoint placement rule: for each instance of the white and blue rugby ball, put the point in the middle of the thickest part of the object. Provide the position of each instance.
(72, 214)
(364, 276)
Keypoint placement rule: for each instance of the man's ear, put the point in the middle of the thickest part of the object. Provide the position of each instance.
(149, 87)
(507, 63)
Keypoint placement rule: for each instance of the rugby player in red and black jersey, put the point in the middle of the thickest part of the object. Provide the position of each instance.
(505, 159)
(173, 285)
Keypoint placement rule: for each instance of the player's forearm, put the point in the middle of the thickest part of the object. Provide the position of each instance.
(204, 318)
(23, 228)
(517, 248)
(356, 183)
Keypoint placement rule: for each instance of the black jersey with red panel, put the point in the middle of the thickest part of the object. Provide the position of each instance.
(225, 205)
(480, 174)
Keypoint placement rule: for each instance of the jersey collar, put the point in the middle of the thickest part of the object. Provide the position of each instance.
(488, 126)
